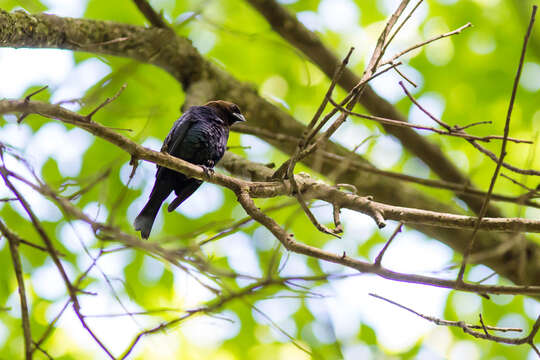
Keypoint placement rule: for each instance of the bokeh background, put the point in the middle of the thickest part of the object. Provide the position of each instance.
(464, 79)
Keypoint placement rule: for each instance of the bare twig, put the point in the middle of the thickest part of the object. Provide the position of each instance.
(288, 241)
(503, 147)
(379, 257)
(209, 308)
(469, 329)
(106, 102)
(356, 165)
(451, 131)
(438, 321)
(291, 163)
(337, 221)
(424, 43)
(288, 166)
(52, 251)
(150, 14)
(506, 165)
(484, 325)
(532, 192)
(434, 118)
(400, 26)
(344, 102)
(405, 77)
(15, 257)
(27, 98)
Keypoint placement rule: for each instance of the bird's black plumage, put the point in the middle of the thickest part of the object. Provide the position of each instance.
(198, 136)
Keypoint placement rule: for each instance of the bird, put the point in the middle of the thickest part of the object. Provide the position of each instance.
(200, 137)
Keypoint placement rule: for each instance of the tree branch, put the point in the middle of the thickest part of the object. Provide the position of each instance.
(13, 241)
(293, 31)
(470, 329)
(202, 81)
(307, 186)
(177, 56)
(150, 14)
(311, 189)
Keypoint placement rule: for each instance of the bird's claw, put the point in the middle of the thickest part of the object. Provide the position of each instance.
(208, 171)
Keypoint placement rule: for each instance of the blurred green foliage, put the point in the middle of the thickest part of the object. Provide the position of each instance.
(471, 73)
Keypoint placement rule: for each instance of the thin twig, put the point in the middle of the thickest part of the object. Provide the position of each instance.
(150, 14)
(400, 26)
(466, 327)
(285, 168)
(506, 165)
(27, 99)
(17, 266)
(434, 118)
(531, 191)
(344, 102)
(337, 220)
(52, 251)
(424, 43)
(301, 145)
(483, 325)
(359, 166)
(379, 257)
(287, 239)
(405, 77)
(485, 204)
(451, 132)
(106, 102)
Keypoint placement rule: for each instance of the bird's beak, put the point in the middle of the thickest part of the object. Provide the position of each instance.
(239, 117)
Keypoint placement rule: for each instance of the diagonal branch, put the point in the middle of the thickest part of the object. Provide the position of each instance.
(419, 219)
(176, 55)
(72, 291)
(150, 14)
(294, 32)
(483, 211)
(362, 166)
(13, 241)
(470, 329)
(203, 81)
(424, 43)
(311, 188)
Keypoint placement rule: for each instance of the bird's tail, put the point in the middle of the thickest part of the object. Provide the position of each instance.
(144, 221)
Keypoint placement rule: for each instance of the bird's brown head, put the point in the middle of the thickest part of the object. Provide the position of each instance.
(227, 111)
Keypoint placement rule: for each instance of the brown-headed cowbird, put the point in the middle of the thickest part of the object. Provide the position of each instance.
(198, 136)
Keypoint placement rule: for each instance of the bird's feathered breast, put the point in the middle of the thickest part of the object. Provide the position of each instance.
(199, 136)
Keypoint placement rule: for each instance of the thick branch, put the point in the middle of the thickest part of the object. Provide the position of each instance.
(504, 262)
(309, 187)
(201, 81)
(177, 56)
(423, 220)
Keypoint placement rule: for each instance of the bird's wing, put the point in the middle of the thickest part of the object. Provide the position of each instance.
(183, 192)
(176, 136)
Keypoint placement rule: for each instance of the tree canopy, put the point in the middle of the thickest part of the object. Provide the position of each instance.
(379, 202)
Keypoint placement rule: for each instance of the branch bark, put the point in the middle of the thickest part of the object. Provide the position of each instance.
(202, 81)
(457, 227)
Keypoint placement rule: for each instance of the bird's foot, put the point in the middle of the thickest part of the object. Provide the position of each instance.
(208, 171)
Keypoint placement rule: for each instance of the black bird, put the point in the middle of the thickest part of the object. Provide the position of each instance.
(198, 136)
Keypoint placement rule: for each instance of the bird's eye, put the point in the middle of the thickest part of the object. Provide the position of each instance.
(235, 109)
